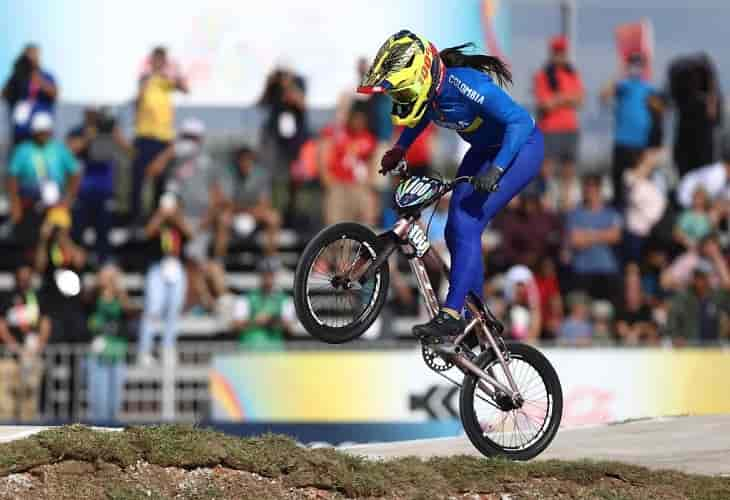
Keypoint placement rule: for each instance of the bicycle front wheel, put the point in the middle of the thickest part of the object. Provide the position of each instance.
(497, 427)
(331, 301)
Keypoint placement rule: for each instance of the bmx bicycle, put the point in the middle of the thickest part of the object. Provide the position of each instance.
(510, 401)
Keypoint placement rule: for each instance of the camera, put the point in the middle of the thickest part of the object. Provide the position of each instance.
(106, 121)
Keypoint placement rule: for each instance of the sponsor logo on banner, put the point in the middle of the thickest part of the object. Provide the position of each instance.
(439, 402)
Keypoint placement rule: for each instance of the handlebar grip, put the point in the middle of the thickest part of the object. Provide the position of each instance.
(401, 168)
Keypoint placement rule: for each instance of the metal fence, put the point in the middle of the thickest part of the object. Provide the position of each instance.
(59, 387)
(55, 385)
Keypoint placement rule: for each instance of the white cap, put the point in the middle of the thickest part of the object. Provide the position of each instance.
(41, 122)
(192, 126)
(516, 274)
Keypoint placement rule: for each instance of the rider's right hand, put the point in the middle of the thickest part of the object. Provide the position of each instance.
(391, 158)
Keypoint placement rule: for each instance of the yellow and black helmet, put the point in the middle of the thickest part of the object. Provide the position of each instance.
(408, 69)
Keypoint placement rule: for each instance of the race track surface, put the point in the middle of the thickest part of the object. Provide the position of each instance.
(698, 445)
(695, 444)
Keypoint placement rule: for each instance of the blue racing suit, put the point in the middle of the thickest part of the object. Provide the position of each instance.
(501, 133)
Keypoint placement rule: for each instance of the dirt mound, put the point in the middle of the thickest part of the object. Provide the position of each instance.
(183, 462)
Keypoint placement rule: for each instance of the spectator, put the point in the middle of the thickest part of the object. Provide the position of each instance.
(24, 330)
(602, 323)
(562, 191)
(551, 302)
(345, 153)
(244, 190)
(592, 231)
(634, 321)
(645, 204)
(166, 282)
(523, 304)
(559, 94)
(105, 372)
(712, 178)
(60, 261)
(154, 124)
(262, 318)
(29, 90)
(377, 107)
(655, 260)
(696, 95)
(529, 232)
(42, 173)
(632, 123)
(694, 314)
(97, 144)
(696, 222)
(708, 252)
(576, 329)
(191, 176)
(285, 130)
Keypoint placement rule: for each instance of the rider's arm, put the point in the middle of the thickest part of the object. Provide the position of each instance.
(409, 135)
(495, 104)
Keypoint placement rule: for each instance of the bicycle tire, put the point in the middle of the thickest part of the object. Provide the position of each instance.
(470, 421)
(302, 304)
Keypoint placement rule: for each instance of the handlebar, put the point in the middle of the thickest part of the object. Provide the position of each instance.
(401, 170)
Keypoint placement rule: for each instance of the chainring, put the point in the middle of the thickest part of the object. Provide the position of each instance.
(434, 361)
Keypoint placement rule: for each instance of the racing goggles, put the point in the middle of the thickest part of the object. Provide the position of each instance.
(405, 95)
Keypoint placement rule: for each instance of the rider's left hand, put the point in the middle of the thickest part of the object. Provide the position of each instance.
(489, 181)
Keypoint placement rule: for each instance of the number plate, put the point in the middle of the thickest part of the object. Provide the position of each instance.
(415, 191)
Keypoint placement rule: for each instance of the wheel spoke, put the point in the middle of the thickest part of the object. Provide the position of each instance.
(332, 301)
(517, 428)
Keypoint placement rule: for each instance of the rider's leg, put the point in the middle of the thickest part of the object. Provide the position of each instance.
(469, 214)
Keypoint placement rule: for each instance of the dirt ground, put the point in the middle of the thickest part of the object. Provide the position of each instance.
(182, 462)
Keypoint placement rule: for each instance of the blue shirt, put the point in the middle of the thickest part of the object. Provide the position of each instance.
(573, 330)
(483, 114)
(598, 258)
(98, 179)
(32, 163)
(632, 116)
(40, 103)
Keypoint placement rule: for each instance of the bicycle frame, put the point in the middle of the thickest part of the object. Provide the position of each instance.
(403, 230)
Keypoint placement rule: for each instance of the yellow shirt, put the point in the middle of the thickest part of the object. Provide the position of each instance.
(155, 113)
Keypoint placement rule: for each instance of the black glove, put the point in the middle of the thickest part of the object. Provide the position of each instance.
(391, 158)
(489, 181)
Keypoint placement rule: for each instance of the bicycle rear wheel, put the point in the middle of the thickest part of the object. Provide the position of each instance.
(330, 300)
(518, 433)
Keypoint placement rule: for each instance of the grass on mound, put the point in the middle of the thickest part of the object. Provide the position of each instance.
(281, 459)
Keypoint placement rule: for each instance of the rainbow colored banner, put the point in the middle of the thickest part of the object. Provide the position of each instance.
(599, 385)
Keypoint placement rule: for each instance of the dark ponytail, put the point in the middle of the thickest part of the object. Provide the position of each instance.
(456, 57)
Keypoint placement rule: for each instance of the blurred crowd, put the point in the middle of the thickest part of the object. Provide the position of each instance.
(623, 256)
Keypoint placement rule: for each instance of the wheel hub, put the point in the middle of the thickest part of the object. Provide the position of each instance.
(341, 282)
(505, 402)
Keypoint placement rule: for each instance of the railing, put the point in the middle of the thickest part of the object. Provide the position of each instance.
(56, 389)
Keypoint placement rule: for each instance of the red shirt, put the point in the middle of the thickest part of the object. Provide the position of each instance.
(563, 118)
(350, 154)
(548, 288)
(420, 152)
